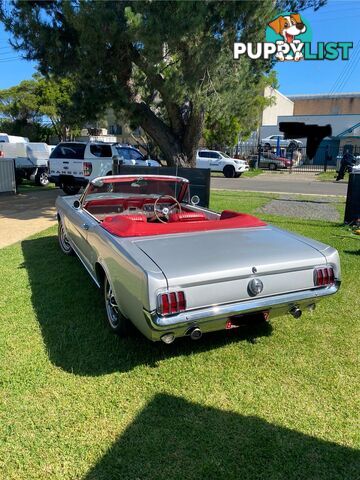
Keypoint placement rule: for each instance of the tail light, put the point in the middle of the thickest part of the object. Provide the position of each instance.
(2, 154)
(87, 169)
(324, 276)
(170, 303)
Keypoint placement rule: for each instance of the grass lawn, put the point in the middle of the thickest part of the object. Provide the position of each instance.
(330, 177)
(78, 403)
(27, 186)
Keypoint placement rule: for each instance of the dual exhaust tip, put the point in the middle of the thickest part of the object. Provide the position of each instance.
(194, 333)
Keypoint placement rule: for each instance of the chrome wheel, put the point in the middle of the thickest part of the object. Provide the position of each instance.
(116, 320)
(112, 309)
(63, 241)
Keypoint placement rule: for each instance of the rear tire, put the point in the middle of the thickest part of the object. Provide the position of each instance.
(272, 166)
(70, 189)
(42, 179)
(229, 171)
(117, 323)
(65, 246)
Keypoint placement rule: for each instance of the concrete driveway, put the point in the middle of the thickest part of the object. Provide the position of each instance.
(277, 182)
(26, 214)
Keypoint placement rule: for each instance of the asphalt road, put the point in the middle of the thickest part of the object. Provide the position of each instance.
(281, 183)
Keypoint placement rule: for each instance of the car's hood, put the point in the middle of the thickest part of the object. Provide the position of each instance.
(225, 254)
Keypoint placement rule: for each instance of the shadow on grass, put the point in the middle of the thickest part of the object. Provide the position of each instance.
(70, 311)
(174, 439)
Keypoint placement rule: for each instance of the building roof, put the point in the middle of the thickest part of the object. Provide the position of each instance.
(315, 96)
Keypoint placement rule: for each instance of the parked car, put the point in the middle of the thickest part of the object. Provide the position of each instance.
(221, 162)
(270, 142)
(174, 269)
(272, 162)
(73, 164)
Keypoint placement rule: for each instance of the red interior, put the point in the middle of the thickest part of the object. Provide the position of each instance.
(137, 226)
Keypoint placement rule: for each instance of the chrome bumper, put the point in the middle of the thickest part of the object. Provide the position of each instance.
(276, 305)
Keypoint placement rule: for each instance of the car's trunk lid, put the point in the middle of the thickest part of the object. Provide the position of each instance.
(217, 265)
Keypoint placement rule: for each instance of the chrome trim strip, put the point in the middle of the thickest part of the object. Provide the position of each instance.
(266, 303)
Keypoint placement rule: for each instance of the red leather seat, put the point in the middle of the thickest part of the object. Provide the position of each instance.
(187, 217)
(135, 218)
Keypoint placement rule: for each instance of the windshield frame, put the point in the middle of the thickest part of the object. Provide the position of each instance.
(182, 196)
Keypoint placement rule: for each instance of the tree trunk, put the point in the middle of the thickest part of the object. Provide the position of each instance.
(179, 148)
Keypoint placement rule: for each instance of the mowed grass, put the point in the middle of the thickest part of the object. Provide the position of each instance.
(79, 403)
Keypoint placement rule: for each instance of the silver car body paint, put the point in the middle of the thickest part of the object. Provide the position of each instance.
(213, 268)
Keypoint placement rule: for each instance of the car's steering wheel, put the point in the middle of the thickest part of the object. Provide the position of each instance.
(166, 210)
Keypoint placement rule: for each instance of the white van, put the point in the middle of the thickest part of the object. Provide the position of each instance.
(5, 138)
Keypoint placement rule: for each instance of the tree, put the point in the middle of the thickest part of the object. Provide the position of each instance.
(20, 103)
(164, 63)
(29, 106)
(56, 103)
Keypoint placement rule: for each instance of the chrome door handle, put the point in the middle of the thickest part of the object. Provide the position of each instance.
(85, 226)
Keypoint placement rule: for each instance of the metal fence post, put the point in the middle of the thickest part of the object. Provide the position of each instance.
(258, 156)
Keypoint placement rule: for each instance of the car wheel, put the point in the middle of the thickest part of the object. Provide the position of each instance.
(118, 324)
(63, 241)
(238, 174)
(42, 179)
(70, 189)
(229, 171)
(272, 166)
(108, 174)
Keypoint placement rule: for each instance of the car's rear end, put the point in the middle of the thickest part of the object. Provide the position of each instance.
(216, 280)
(67, 165)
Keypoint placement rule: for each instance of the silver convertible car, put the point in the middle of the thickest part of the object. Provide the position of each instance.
(174, 269)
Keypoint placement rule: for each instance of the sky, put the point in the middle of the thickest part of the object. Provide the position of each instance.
(337, 21)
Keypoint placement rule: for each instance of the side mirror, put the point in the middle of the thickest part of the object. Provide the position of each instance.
(195, 200)
(76, 204)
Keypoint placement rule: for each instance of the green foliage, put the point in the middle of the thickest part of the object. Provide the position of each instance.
(34, 131)
(41, 106)
(166, 64)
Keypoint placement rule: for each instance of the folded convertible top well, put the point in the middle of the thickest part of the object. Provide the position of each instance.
(123, 226)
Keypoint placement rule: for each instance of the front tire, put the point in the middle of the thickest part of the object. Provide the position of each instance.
(229, 171)
(238, 174)
(118, 324)
(65, 246)
(70, 189)
(272, 166)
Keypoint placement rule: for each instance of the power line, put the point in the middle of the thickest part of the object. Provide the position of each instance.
(354, 65)
(346, 69)
(10, 59)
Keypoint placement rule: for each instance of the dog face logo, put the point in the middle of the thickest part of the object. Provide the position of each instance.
(288, 27)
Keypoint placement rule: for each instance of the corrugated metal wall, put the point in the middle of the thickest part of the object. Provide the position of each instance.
(7, 175)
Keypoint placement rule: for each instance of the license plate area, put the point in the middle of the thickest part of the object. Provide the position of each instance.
(246, 319)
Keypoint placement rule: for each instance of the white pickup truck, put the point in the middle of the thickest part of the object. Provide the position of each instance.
(221, 162)
(73, 164)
